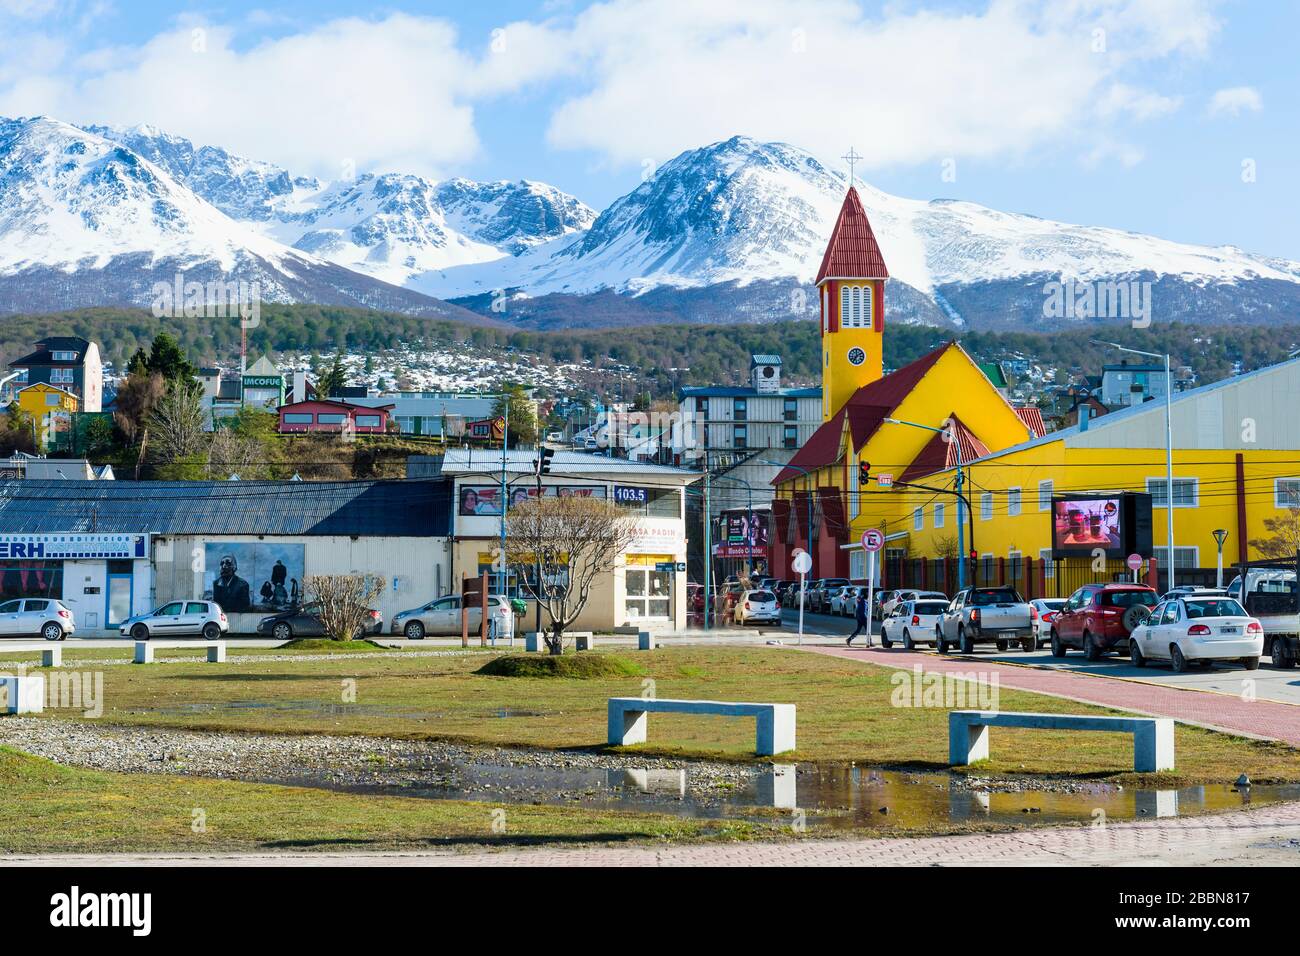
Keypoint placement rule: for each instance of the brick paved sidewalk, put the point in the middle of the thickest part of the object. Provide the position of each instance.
(1269, 835)
(1259, 718)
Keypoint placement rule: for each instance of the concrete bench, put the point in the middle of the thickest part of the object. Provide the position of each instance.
(644, 642)
(144, 650)
(22, 694)
(51, 651)
(1153, 737)
(535, 641)
(775, 731)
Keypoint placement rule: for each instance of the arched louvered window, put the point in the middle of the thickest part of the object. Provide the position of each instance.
(844, 306)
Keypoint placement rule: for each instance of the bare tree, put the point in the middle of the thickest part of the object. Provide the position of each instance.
(1283, 539)
(575, 541)
(176, 425)
(230, 453)
(344, 601)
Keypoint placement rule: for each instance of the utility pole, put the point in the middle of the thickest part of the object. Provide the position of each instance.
(708, 544)
(505, 441)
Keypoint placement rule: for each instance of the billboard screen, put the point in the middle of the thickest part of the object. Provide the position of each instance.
(1083, 524)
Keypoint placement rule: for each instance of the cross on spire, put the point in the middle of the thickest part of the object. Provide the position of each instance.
(852, 158)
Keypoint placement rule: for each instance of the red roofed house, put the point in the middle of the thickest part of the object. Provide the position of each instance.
(329, 415)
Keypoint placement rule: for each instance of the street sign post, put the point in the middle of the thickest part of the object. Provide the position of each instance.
(801, 565)
(873, 539)
(1134, 562)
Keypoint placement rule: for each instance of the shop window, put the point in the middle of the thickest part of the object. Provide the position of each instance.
(647, 593)
(31, 579)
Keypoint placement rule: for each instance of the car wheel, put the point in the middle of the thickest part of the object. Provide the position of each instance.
(1177, 660)
(140, 632)
(211, 631)
(1250, 663)
(1002, 645)
(940, 644)
(908, 643)
(52, 631)
(414, 631)
(1058, 646)
(967, 641)
(1028, 645)
(1281, 653)
(884, 641)
(1090, 649)
(282, 631)
(1135, 654)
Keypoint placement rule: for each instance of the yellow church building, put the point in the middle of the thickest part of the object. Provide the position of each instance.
(887, 454)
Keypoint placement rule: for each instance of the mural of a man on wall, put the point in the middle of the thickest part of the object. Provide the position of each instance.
(228, 588)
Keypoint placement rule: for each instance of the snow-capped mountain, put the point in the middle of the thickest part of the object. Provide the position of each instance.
(733, 231)
(88, 221)
(389, 226)
(751, 219)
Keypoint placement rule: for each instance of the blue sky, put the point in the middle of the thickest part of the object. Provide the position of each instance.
(1173, 117)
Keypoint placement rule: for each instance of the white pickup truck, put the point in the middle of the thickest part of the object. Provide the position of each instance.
(991, 615)
(1269, 594)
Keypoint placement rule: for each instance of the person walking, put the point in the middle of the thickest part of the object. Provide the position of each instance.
(860, 608)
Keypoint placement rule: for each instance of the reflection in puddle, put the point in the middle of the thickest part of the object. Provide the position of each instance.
(829, 797)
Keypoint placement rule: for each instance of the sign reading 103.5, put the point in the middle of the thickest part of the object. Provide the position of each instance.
(626, 495)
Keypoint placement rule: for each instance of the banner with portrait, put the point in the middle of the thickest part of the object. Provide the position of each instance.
(253, 576)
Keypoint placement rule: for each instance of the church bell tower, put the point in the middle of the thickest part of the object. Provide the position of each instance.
(851, 290)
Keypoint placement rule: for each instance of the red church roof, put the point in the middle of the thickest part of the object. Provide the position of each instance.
(940, 454)
(866, 409)
(853, 252)
(1032, 416)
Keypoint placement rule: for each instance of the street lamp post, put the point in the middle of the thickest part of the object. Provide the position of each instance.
(953, 438)
(1220, 536)
(1169, 448)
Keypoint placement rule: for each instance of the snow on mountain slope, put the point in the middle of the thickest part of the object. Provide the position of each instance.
(390, 226)
(741, 211)
(88, 221)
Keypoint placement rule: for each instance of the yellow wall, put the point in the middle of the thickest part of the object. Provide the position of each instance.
(840, 377)
(32, 400)
(1079, 470)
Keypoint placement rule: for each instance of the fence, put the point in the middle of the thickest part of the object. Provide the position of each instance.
(1032, 577)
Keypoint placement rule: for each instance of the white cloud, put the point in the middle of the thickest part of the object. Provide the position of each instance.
(380, 94)
(1234, 100)
(906, 88)
(636, 80)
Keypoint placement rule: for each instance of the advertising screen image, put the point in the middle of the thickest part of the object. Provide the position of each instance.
(1084, 524)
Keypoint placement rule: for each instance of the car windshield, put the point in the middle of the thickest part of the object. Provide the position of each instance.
(1129, 598)
(1213, 607)
(1053, 605)
(983, 597)
(930, 607)
(762, 596)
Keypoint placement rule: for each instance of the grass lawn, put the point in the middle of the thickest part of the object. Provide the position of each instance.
(302, 646)
(845, 711)
(50, 808)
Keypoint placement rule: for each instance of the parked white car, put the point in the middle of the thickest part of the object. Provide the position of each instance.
(1043, 611)
(442, 616)
(912, 623)
(47, 617)
(178, 619)
(891, 603)
(845, 600)
(757, 606)
(1198, 629)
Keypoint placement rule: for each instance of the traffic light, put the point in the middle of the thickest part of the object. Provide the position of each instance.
(544, 461)
(864, 473)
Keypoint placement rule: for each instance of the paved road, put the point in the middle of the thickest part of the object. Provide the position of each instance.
(1268, 836)
(1266, 684)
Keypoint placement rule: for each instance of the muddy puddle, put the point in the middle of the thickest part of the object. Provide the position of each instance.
(827, 798)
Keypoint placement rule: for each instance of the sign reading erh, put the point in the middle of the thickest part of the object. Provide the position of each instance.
(73, 547)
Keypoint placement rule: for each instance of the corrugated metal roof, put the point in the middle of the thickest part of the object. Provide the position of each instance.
(745, 391)
(395, 508)
(852, 252)
(474, 461)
